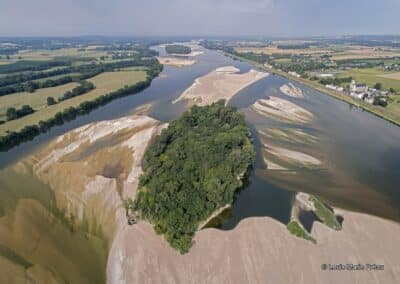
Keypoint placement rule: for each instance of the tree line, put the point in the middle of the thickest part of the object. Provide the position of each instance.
(83, 88)
(87, 70)
(13, 113)
(31, 65)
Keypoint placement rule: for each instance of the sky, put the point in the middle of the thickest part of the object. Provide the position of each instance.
(198, 17)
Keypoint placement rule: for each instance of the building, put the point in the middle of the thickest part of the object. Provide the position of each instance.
(357, 88)
(333, 87)
(294, 74)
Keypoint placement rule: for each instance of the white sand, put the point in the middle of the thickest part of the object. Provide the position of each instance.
(222, 83)
(282, 110)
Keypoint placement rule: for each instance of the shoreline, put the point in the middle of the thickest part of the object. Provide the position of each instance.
(318, 87)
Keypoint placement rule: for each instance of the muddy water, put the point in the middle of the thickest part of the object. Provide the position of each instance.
(360, 156)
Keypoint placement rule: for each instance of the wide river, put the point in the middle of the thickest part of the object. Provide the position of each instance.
(360, 152)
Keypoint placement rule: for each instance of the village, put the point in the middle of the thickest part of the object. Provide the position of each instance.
(363, 92)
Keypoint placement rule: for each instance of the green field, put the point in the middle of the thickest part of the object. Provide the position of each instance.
(56, 77)
(36, 100)
(105, 83)
(371, 76)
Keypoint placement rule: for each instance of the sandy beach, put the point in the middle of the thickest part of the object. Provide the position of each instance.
(222, 83)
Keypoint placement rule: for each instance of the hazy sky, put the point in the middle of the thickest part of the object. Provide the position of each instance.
(198, 17)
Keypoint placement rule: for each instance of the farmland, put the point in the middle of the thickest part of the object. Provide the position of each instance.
(105, 83)
(371, 76)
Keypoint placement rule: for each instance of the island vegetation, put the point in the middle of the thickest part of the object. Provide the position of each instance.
(178, 49)
(297, 230)
(192, 169)
(325, 214)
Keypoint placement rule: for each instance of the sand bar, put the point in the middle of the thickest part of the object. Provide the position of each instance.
(293, 156)
(282, 110)
(222, 83)
(176, 62)
(291, 91)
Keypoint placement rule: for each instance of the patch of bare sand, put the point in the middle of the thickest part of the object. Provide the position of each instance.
(176, 62)
(222, 83)
(259, 250)
(282, 110)
(291, 91)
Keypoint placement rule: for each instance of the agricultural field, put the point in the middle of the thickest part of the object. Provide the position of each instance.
(275, 50)
(52, 54)
(36, 100)
(335, 51)
(365, 52)
(371, 76)
(105, 83)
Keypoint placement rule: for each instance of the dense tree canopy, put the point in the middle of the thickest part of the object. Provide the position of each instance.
(192, 169)
(178, 49)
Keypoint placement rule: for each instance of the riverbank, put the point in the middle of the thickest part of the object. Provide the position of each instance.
(375, 110)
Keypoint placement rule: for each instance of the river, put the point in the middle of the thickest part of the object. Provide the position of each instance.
(360, 154)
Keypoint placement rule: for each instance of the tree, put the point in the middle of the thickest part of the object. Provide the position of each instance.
(378, 86)
(11, 113)
(51, 101)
